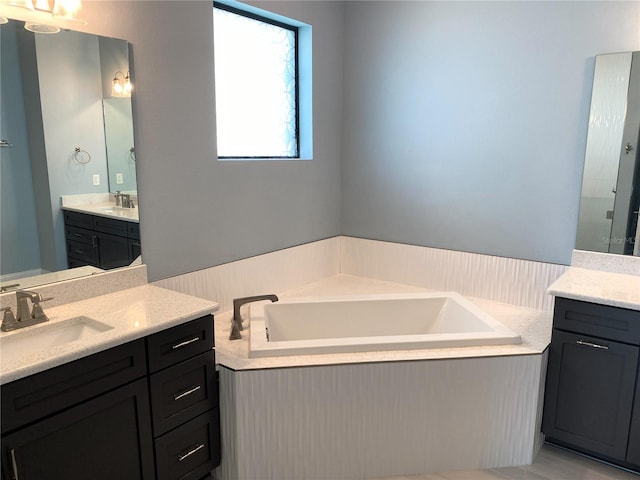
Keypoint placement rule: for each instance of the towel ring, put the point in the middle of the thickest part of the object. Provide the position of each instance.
(81, 156)
(132, 153)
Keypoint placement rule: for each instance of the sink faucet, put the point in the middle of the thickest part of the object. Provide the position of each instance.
(26, 316)
(236, 322)
(123, 200)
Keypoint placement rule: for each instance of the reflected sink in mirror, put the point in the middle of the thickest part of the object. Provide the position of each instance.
(43, 337)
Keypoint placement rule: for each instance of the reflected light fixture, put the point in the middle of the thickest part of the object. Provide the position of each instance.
(42, 16)
(121, 85)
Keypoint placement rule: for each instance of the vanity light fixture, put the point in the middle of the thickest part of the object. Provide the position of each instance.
(42, 16)
(121, 85)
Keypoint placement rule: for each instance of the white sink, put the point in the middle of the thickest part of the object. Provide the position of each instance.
(43, 337)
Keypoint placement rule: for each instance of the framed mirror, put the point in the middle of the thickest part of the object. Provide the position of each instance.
(610, 199)
(66, 135)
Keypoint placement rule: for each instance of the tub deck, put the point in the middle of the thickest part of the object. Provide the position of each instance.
(533, 327)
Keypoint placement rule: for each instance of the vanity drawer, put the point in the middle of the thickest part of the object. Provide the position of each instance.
(80, 235)
(110, 225)
(603, 321)
(81, 220)
(82, 251)
(179, 343)
(190, 451)
(183, 391)
(53, 390)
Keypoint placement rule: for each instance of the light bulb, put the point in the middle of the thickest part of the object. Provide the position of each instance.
(127, 84)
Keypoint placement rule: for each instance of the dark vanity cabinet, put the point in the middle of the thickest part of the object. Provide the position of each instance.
(100, 241)
(592, 397)
(147, 409)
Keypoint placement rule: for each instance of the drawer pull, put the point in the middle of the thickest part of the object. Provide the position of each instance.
(184, 456)
(14, 464)
(186, 392)
(79, 235)
(592, 345)
(185, 343)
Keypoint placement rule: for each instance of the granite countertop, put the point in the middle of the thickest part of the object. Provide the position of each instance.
(533, 326)
(107, 209)
(133, 313)
(606, 288)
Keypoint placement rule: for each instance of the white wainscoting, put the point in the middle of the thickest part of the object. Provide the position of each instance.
(374, 420)
(269, 273)
(506, 280)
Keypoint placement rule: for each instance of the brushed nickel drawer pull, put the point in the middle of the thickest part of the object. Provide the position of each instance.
(14, 464)
(190, 452)
(186, 392)
(185, 343)
(593, 345)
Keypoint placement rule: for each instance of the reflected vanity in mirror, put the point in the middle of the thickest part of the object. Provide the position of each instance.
(610, 200)
(67, 149)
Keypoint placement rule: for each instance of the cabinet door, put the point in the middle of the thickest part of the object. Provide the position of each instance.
(106, 438)
(589, 394)
(633, 452)
(113, 251)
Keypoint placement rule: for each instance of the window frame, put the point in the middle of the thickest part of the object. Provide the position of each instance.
(296, 31)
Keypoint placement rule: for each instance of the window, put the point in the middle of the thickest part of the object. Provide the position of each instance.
(257, 85)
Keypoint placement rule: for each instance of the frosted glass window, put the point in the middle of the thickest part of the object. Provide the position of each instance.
(256, 89)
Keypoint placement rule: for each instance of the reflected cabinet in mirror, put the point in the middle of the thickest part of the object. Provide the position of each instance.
(608, 219)
(67, 150)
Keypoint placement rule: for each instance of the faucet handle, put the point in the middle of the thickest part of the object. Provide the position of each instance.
(8, 319)
(37, 311)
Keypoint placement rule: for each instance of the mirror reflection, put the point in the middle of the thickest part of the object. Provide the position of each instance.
(610, 201)
(67, 149)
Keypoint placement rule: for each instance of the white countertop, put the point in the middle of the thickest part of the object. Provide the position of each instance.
(606, 288)
(533, 326)
(134, 313)
(108, 210)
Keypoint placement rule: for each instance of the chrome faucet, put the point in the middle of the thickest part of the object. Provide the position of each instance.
(236, 322)
(123, 200)
(26, 316)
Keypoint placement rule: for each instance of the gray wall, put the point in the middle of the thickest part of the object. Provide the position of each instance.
(71, 99)
(18, 228)
(465, 128)
(195, 211)
(465, 122)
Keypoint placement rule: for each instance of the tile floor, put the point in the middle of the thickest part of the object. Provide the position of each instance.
(552, 463)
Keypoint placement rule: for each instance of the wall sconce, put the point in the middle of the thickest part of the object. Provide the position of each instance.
(121, 85)
(39, 15)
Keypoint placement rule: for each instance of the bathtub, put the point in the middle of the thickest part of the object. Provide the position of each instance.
(304, 326)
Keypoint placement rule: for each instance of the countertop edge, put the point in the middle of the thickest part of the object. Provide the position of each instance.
(142, 301)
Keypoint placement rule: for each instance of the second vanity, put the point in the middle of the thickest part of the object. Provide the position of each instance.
(99, 233)
(592, 398)
(126, 389)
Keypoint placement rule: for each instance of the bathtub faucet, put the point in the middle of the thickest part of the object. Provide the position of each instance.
(236, 322)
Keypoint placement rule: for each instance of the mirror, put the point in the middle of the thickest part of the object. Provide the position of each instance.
(610, 200)
(65, 132)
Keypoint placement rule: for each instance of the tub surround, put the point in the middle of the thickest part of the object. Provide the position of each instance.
(596, 286)
(381, 414)
(533, 326)
(133, 312)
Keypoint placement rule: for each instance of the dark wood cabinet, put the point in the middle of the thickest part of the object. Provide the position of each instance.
(99, 241)
(592, 396)
(104, 416)
(105, 438)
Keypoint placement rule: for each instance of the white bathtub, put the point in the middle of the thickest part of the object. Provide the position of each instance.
(305, 326)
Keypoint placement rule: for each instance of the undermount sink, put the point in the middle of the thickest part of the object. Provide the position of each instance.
(49, 335)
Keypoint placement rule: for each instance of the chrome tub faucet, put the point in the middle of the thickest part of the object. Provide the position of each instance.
(236, 322)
